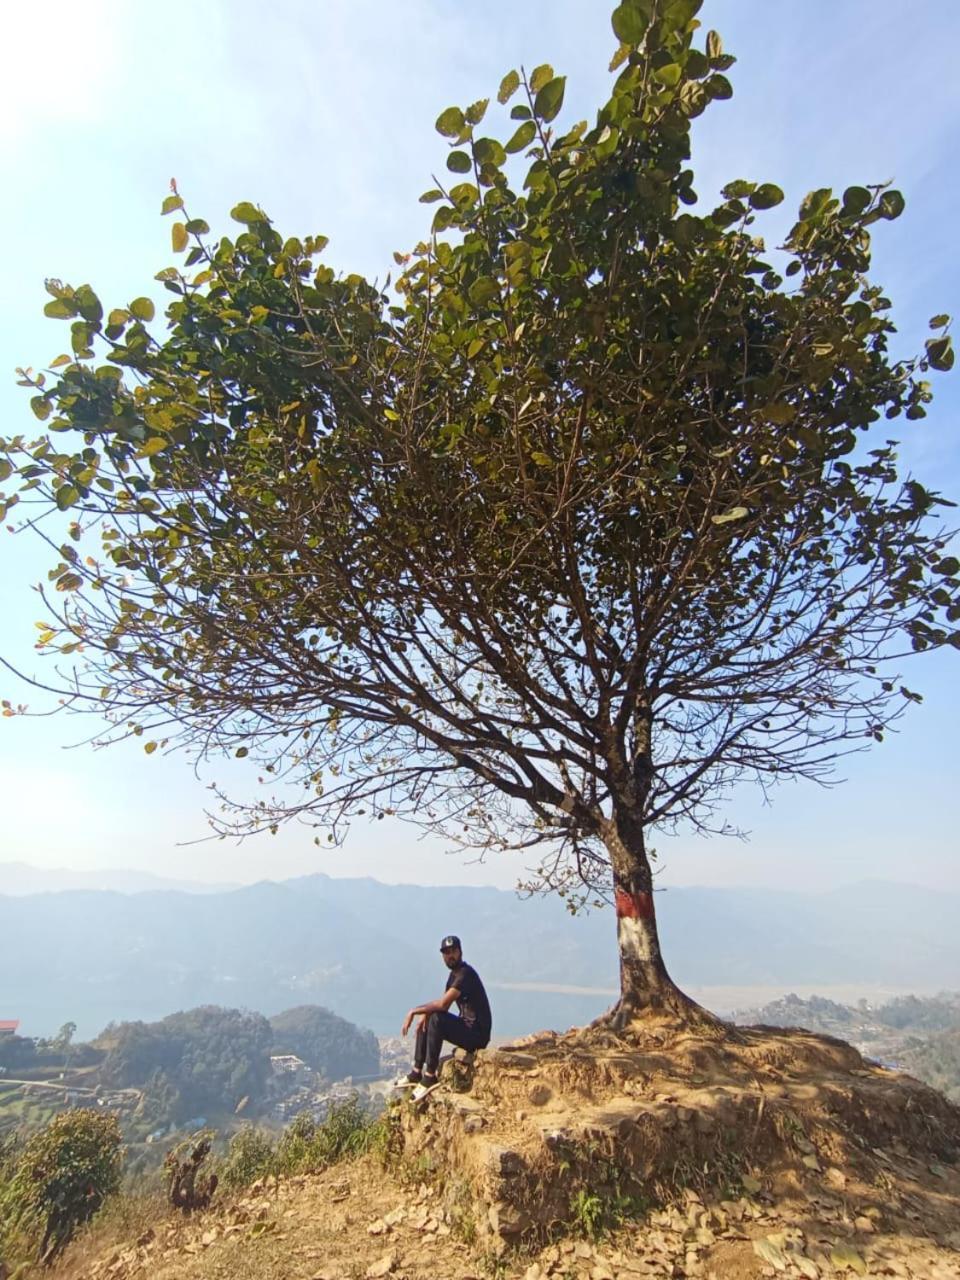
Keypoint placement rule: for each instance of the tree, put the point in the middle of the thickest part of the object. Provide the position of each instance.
(584, 523)
(64, 1174)
(209, 1058)
(326, 1043)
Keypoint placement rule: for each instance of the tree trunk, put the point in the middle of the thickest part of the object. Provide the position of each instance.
(645, 984)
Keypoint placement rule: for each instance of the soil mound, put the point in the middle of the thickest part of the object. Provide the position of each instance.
(761, 1152)
(754, 1125)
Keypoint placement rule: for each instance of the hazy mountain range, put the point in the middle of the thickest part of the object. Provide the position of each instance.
(19, 878)
(367, 950)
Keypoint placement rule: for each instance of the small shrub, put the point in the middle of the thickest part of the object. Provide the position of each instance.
(587, 1213)
(251, 1156)
(64, 1174)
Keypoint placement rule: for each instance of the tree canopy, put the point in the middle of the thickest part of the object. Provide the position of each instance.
(591, 515)
(202, 1060)
(326, 1042)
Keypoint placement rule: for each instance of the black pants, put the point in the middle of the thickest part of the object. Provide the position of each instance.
(440, 1027)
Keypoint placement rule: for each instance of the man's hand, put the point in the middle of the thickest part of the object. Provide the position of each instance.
(406, 1022)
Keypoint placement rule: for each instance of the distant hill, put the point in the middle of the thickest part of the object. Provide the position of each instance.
(368, 951)
(19, 878)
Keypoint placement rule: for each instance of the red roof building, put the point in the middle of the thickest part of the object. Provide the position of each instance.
(9, 1028)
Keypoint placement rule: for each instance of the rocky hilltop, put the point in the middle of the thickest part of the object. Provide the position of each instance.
(760, 1153)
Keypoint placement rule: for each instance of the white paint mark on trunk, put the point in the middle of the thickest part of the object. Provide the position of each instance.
(634, 939)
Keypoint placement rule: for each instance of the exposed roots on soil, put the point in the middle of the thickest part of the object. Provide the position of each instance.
(643, 1113)
(668, 1013)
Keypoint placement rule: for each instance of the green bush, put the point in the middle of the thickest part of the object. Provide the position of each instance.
(250, 1156)
(62, 1176)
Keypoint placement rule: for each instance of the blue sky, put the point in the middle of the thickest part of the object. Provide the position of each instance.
(323, 111)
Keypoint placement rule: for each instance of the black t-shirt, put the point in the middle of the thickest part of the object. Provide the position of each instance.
(473, 1003)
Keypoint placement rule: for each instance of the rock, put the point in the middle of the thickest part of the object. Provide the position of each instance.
(864, 1223)
(503, 1161)
(539, 1094)
(601, 1272)
(515, 1061)
(382, 1268)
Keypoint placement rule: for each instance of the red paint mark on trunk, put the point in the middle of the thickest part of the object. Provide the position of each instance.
(634, 906)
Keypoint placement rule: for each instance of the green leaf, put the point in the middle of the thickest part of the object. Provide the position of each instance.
(451, 122)
(197, 227)
(714, 44)
(735, 513)
(60, 309)
(541, 75)
(629, 24)
(246, 212)
(938, 322)
(949, 567)
(142, 308)
(669, 76)
(892, 204)
(542, 459)
(693, 98)
(242, 751)
(549, 99)
(766, 196)
(171, 203)
(814, 203)
(719, 87)
(431, 196)
(41, 407)
(178, 237)
(508, 87)
(155, 444)
(66, 496)
(855, 200)
(477, 110)
(489, 151)
(940, 353)
(483, 290)
(523, 137)
(739, 189)
(459, 162)
(60, 362)
(149, 748)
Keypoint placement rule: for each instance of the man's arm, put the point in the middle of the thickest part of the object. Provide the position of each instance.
(433, 1006)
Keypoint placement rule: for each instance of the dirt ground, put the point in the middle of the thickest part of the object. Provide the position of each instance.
(822, 1166)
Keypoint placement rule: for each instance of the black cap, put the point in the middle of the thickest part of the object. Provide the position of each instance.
(450, 941)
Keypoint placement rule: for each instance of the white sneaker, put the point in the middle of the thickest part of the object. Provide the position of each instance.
(421, 1091)
(404, 1082)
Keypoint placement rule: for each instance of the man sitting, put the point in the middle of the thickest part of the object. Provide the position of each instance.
(471, 1030)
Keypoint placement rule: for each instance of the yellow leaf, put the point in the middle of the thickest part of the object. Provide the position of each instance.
(178, 237)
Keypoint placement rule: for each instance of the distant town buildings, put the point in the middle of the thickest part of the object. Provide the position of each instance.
(8, 1026)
